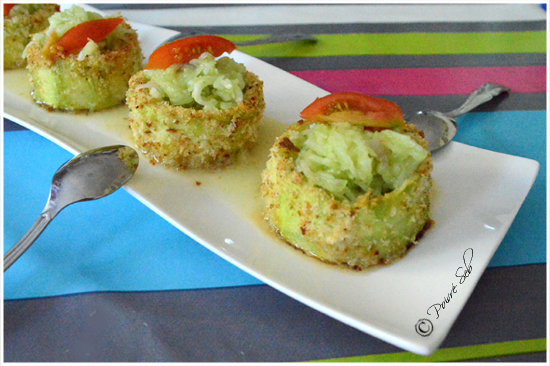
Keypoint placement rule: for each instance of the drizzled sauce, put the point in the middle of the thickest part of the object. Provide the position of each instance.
(239, 184)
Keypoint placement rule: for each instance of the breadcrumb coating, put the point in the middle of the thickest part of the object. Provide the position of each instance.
(24, 20)
(370, 230)
(181, 138)
(98, 81)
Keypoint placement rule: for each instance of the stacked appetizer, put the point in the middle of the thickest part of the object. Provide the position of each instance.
(350, 183)
(192, 108)
(21, 21)
(83, 61)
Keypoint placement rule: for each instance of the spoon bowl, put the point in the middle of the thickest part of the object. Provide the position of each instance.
(440, 128)
(88, 176)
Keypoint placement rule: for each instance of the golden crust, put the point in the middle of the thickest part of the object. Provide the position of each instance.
(181, 138)
(18, 30)
(369, 231)
(97, 82)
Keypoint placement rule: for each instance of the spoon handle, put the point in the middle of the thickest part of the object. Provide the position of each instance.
(483, 94)
(26, 241)
(278, 38)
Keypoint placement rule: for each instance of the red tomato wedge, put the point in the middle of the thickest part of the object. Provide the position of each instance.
(184, 50)
(97, 30)
(354, 108)
(7, 9)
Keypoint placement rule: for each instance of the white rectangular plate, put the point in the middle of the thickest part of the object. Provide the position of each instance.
(478, 195)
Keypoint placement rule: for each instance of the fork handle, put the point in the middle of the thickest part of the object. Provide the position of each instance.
(26, 241)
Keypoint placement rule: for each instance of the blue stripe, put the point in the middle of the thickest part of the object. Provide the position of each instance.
(520, 134)
(136, 250)
(112, 244)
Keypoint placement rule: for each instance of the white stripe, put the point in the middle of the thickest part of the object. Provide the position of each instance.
(315, 14)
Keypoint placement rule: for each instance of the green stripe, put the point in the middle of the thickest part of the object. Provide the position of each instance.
(357, 44)
(456, 354)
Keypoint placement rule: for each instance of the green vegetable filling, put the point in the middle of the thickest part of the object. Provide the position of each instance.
(25, 9)
(204, 83)
(61, 22)
(348, 161)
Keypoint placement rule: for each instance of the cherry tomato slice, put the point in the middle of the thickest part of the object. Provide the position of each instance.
(184, 50)
(7, 9)
(77, 37)
(354, 108)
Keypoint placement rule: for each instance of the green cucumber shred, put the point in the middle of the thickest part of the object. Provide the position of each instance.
(61, 22)
(205, 83)
(348, 161)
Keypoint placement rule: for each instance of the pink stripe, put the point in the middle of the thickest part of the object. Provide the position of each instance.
(427, 81)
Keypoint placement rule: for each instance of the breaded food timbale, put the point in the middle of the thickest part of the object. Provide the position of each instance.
(347, 190)
(21, 21)
(83, 61)
(201, 114)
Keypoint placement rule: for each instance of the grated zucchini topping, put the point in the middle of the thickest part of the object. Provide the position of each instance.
(348, 161)
(205, 83)
(61, 22)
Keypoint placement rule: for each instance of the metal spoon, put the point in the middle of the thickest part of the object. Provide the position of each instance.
(88, 176)
(440, 128)
(277, 38)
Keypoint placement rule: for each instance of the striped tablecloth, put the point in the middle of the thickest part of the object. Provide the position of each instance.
(419, 56)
